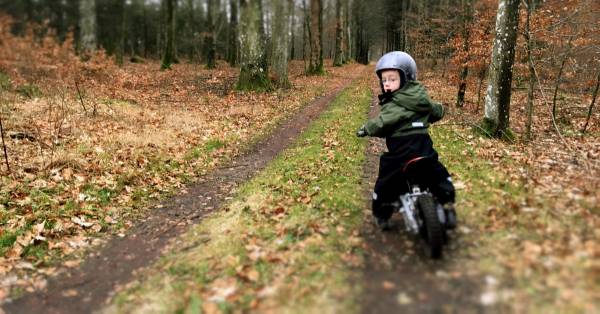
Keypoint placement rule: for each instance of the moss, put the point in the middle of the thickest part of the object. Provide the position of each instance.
(5, 83)
(490, 129)
(29, 91)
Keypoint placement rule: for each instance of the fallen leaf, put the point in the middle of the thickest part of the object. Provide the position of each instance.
(70, 293)
(403, 298)
(72, 263)
(81, 222)
(388, 285)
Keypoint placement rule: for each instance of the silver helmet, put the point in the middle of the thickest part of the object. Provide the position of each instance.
(398, 60)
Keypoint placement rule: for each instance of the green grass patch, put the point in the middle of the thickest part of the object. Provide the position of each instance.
(29, 91)
(287, 231)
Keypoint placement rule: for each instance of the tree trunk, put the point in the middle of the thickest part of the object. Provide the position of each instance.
(168, 56)
(316, 37)
(347, 31)
(530, 91)
(462, 86)
(497, 99)
(87, 24)
(233, 34)
(4, 145)
(559, 77)
(306, 33)
(293, 30)
(595, 94)
(339, 33)
(209, 40)
(120, 51)
(253, 68)
(280, 41)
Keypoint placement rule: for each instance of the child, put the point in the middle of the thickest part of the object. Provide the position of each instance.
(406, 112)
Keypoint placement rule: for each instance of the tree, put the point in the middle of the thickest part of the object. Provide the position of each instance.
(466, 20)
(87, 25)
(497, 99)
(338, 60)
(232, 52)
(209, 40)
(594, 95)
(169, 53)
(121, 38)
(529, 47)
(361, 36)
(253, 65)
(280, 41)
(316, 38)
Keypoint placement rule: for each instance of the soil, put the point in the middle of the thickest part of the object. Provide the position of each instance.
(397, 276)
(89, 287)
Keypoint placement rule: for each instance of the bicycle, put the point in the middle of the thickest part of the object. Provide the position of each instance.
(423, 214)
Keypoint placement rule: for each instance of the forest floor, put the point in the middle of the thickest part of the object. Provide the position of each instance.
(94, 166)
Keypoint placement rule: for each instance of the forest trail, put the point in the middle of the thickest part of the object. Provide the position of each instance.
(397, 277)
(116, 263)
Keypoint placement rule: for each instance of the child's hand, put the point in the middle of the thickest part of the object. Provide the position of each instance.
(361, 132)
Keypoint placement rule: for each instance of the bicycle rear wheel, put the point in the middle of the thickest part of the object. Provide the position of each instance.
(432, 229)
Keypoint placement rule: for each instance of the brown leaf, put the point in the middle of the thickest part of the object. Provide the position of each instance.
(388, 285)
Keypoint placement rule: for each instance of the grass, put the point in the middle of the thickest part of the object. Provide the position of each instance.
(282, 241)
(523, 249)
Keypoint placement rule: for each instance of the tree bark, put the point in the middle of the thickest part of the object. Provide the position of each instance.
(233, 34)
(169, 56)
(347, 32)
(280, 41)
(4, 145)
(339, 33)
(87, 25)
(497, 99)
(530, 91)
(209, 40)
(462, 85)
(316, 37)
(587, 120)
(120, 51)
(559, 77)
(253, 68)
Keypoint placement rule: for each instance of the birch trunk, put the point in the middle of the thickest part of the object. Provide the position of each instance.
(497, 99)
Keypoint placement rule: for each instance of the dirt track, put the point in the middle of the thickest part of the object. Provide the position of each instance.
(88, 287)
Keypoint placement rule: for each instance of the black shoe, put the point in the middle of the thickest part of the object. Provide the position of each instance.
(450, 216)
(383, 224)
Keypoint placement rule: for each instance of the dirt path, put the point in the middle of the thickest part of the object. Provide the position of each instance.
(398, 277)
(88, 287)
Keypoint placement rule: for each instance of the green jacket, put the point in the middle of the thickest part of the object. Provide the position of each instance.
(409, 110)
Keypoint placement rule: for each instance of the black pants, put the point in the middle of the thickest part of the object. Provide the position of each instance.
(392, 179)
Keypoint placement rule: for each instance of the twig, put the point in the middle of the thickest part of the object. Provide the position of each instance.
(80, 97)
(4, 144)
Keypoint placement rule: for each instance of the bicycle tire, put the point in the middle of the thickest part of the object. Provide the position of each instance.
(433, 231)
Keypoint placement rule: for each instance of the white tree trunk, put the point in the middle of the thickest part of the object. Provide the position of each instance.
(497, 99)
(87, 24)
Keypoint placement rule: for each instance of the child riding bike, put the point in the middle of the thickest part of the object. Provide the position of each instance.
(406, 112)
